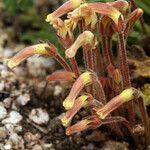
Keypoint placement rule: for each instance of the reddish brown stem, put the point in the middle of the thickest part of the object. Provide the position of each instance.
(99, 64)
(109, 46)
(106, 53)
(144, 119)
(117, 119)
(74, 66)
(63, 63)
(125, 74)
(141, 18)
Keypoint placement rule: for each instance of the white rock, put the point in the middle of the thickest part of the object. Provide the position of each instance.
(8, 147)
(8, 53)
(39, 116)
(17, 141)
(7, 102)
(3, 132)
(4, 71)
(37, 147)
(2, 85)
(37, 65)
(13, 118)
(14, 138)
(23, 99)
(3, 112)
(11, 128)
(57, 90)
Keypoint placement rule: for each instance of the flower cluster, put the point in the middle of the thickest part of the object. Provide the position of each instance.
(105, 85)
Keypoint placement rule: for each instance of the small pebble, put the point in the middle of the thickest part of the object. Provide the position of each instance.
(3, 112)
(57, 90)
(17, 141)
(90, 146)
(4, 73)
(23, 99)
(39, 116)
(8, 53)
(37, 147)
(13, 118)
(8, 147)
(7, 102)
(3, 133)
(2, 85)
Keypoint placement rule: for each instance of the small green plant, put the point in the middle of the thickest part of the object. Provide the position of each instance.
(104, 86)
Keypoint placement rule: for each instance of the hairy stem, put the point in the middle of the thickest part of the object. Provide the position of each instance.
(125, 74)
(63, 63)
(109, 46)
(117, 119)
(144, 119)
(141, 18)
(74, 66)
(106, 53)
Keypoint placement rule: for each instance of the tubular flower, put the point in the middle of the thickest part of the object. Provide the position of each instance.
(70, 24)
(117, 76)
(105, 26)
(121, 5)
(40, 49)
(86, 13)
(64, 9)
(132, 18)
(90, 17)
(64, 30)
(59, 25)
(91, 122)
(84, 79)
(105, 21)
(106, 9)
(80, 102)
(85, 39)
(125, 96)
(62, 76)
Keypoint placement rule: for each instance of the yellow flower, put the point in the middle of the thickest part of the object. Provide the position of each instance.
(84, 79)
(80, 102)
(86, 38)
(64, 9)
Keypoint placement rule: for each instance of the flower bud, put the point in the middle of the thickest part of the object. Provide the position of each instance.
(64, 9)
(106, 9)
(61, 76)
(84, 79)
(85, 39)
(125, 96)
(132, 18)
(80, 102)
(90, 122)
(40, 49)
